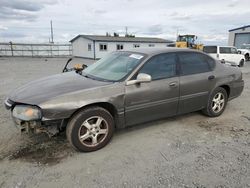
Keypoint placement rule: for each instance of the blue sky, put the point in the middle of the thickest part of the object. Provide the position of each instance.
(29, 20)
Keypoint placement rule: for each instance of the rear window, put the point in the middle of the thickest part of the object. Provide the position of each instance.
(210, 49)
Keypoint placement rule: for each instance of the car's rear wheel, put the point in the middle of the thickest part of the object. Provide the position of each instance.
(216, 103)
(90, 129)
(241, 64)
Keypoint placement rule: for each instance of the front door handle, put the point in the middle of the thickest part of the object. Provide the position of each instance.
(173, 84)
(211, 77)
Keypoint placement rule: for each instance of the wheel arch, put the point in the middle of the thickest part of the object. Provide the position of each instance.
(207, 110)
(227, 88)
(106, 105)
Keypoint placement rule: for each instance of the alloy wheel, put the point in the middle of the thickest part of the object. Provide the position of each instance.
(93, 131)
(218, 102)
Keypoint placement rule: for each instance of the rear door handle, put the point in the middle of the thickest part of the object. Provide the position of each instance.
(211, 77)
(173, 84)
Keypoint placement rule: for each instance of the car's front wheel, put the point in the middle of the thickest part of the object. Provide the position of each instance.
(247, 57)
(216, 103)
(90, 129)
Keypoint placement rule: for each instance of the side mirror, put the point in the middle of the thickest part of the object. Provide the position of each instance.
(223, 61)
(239, 52)
(141, 78)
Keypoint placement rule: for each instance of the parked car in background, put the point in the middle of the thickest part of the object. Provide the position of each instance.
(123, 89)
(245, 50)
(225, 54)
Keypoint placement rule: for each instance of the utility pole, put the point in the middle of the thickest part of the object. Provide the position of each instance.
(51, 32)
(126, 31)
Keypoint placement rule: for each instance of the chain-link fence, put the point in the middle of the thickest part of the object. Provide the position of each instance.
(35, 50)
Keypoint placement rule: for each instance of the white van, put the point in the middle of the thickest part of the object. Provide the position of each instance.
(245, 50)
(225, 54)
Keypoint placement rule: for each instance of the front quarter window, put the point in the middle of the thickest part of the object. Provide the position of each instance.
(234, 51)
(115, 66)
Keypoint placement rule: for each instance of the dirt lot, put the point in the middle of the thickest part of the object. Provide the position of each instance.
(185, 151)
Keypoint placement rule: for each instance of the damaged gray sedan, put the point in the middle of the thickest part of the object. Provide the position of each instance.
(123, 89)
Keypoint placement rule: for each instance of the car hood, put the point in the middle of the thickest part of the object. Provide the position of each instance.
(44, 89)
(244, 50)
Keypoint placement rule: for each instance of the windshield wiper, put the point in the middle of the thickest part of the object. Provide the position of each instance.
(95, 78)
(87, 76)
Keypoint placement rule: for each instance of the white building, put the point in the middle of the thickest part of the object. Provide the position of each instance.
(239, 36)
(96, 46)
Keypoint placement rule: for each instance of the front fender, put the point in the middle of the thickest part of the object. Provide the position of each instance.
(64, 106)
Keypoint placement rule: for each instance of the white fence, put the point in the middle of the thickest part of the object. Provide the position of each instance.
(35, 50)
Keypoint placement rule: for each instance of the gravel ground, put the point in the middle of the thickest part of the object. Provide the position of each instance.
(186, 151)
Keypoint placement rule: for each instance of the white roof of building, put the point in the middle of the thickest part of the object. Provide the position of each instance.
(121, 39)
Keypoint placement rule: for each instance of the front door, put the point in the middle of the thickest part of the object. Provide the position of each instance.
(158, 98)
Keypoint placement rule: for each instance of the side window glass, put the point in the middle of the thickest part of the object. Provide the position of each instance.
(160, 66)
(225, 50)
(210, 49)
(193, 63)
(234, 51)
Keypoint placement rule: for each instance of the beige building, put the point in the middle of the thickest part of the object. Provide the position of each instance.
(239, 36)
(96, 46)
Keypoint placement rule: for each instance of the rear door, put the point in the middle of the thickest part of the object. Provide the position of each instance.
(236, 57)
(224, 53)
(155, 99)
(196, 80)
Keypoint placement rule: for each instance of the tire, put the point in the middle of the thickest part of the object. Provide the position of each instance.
(247, 57)
(90, 129)
(241, 64)
(211, 110)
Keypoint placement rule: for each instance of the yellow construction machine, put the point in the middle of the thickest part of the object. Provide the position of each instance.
(188, 41)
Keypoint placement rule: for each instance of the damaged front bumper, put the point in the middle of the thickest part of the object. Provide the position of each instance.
(50, 127)
(36, 127)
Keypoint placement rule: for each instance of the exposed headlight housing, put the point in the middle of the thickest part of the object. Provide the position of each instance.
(27, 112)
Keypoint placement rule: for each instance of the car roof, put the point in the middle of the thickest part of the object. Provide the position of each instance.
(219, 46)
(153, 51)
